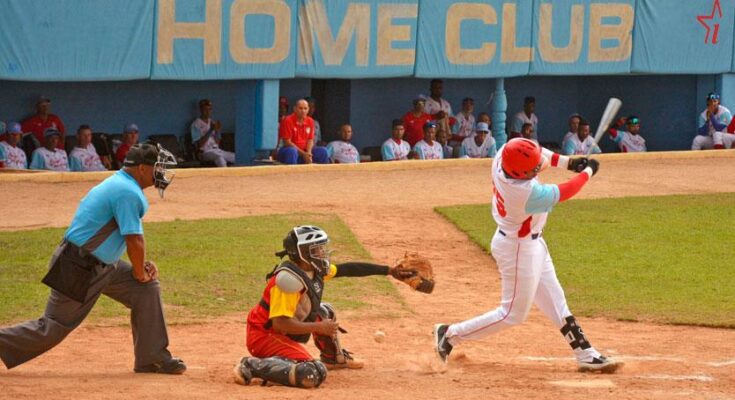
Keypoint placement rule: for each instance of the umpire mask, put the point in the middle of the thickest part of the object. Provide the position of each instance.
(162, 176)
(309, 244)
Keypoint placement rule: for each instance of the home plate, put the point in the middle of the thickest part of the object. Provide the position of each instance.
(586, 384)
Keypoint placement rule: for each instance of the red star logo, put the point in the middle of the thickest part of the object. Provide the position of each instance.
(716, 9)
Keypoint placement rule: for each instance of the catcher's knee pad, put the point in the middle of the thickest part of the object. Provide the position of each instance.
(326, 311)
(574, 335)
(305, 374)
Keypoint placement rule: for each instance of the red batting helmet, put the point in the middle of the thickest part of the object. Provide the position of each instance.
(520, 156)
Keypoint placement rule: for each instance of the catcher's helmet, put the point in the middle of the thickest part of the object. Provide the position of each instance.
(521, 156)
(308, 244)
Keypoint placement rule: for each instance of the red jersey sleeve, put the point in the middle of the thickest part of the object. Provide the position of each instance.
(59, 124)
(731, 127)
(284, 129)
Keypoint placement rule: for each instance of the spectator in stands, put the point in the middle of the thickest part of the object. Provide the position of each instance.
(205, 136)
(465, 126)
(573, 127)
(580, 143)
(429, 149)
(50, 157)
(440, 109)
(296, 133)
(282, 108)
(485, 117)
(11, 155)
(414, 121)
(527, 132)
(84, 156)
(629, 141)
(526, 116)
(395, 148)
(317, 127)
(481, 145)
(342, 151)
(712, 123)
(42, 120)
(129, 138)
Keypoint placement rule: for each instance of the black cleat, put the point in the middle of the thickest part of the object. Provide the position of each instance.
(441, 344)
(602, 364)
(173, 366)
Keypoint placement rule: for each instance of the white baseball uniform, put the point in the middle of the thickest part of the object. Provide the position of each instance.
(709, 132)
(85, 159)
(628, 142)
(210, 150)
(472, 150)
(13, 157)
(465, 125)
(520, 209)
(427, 152)
(432, 106)
(521, 118)
(580, 147)
(395, 150)
(54, 160)
(343, 152)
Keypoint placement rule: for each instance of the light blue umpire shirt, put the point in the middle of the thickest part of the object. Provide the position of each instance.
(109, 212)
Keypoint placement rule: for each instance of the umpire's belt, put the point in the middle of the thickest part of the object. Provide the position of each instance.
(534, 236)
(83, 254)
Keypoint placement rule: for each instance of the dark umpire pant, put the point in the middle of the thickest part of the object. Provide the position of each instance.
(28, 340)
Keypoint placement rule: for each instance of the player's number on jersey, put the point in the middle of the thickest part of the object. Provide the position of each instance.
(499, 203)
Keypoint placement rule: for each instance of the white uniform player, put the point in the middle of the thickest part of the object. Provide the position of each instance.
(53, 160)
(11, 155)
(520, 208)
(712, 129)
(85, 159)
(465, 126)
(629, 141)
(425, 151)
(395, 149)
(486, 148)
(574, 145)
(343, 152)
(210, 150)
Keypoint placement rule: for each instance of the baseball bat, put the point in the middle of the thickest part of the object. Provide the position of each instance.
(613, 106)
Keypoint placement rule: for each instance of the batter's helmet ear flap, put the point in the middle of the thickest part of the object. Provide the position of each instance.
(520, 156)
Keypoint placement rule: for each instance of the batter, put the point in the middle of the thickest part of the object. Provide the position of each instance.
(520, 207)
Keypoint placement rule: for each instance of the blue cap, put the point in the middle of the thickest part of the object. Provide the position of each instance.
(482, 127)
(14, 127)
(131, 128)
(51, 132)
(713, 96)
(430, 124)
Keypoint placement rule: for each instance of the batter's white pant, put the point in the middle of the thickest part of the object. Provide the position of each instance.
(527, 277)
(219, 157)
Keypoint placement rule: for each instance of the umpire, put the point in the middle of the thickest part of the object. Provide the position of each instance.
(87, 264)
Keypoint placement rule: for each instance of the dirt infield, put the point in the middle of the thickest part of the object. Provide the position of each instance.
(390, 210)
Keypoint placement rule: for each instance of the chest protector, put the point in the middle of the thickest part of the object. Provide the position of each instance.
(314, 287)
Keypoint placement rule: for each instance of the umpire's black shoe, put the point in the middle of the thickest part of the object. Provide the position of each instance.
(172, 366)
(441, 344)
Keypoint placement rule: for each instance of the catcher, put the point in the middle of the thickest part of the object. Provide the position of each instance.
(291, 310)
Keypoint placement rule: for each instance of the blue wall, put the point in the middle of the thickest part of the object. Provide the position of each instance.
(158, 107)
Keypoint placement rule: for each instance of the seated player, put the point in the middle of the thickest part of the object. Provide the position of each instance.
(429, 149)
(581, 143)
(291, 310)
(527, 132)
(11, 155)
(713, 121)
(84, 156)
(342, 151)
(49, 156)
(396, 148)
(629, 141)
(482, 145)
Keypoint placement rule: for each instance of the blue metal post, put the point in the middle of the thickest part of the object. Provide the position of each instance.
(499, 107)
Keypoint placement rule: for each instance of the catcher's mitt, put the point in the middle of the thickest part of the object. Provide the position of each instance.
(415, 271)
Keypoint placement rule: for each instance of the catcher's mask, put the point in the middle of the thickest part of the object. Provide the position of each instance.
(308, 244)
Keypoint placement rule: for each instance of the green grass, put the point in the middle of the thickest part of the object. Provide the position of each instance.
(667, 259)
(208, 267)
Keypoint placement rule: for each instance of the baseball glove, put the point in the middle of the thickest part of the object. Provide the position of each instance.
(414, 270)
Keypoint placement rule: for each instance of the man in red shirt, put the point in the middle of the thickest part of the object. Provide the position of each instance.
(415, 120)
(43, 120)
(296, 133)
(129, 138)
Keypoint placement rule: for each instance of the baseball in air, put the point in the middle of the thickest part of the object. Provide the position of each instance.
(379, 336)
